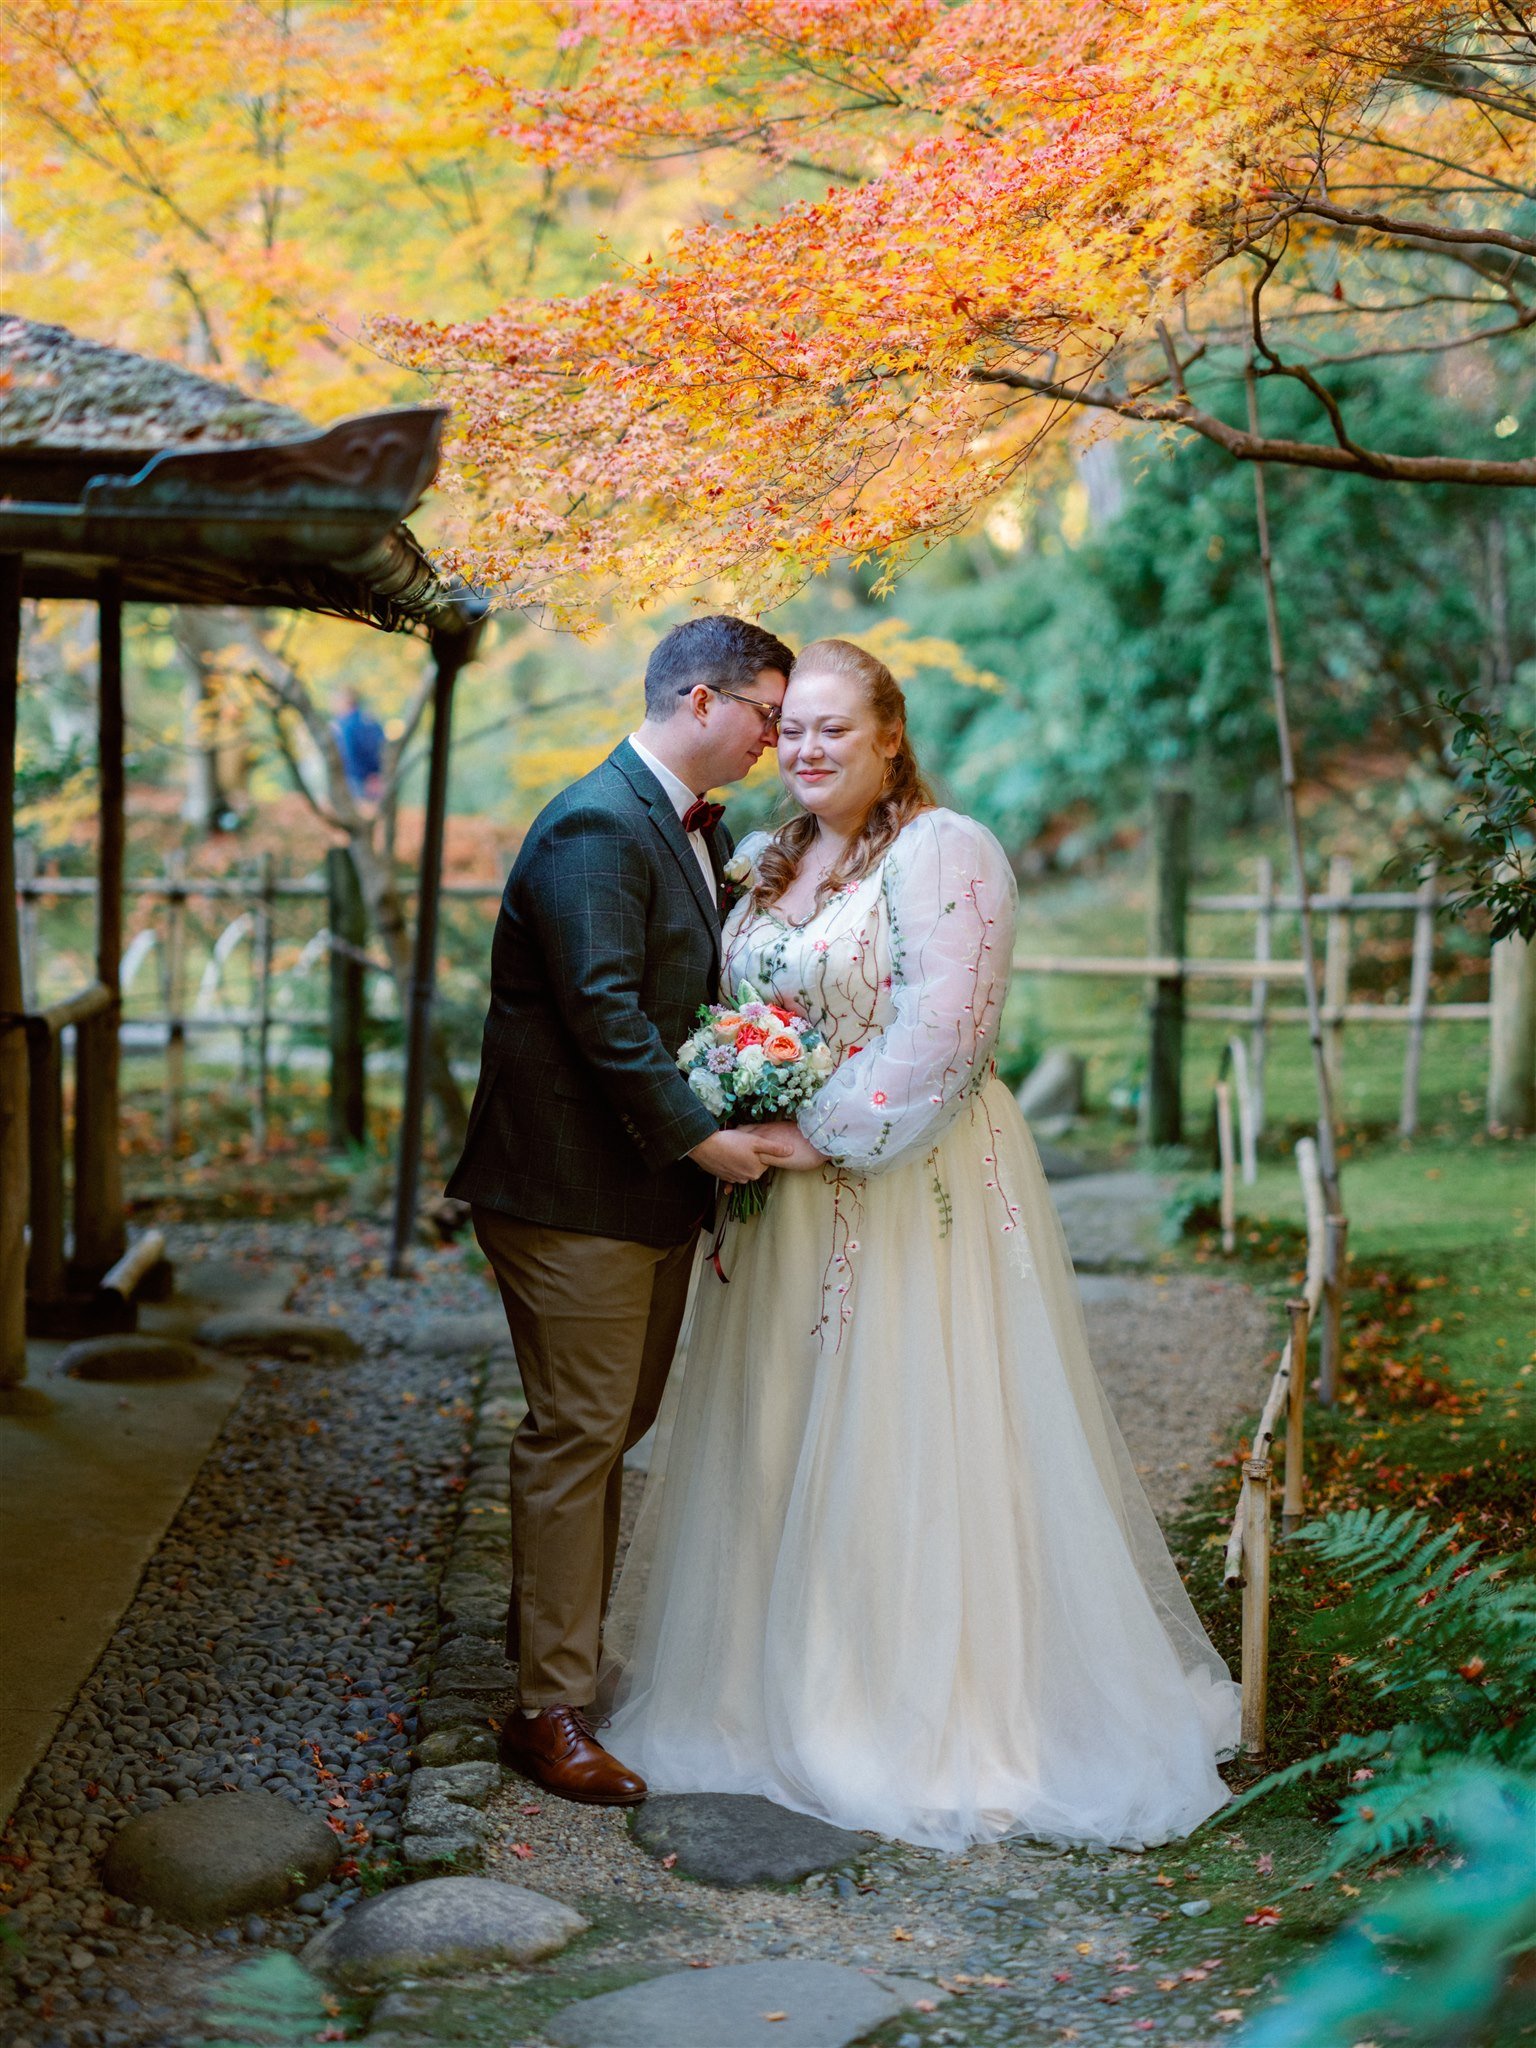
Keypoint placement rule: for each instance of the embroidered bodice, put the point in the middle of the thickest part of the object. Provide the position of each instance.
(904, 973)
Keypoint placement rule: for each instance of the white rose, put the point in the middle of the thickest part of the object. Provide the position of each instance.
(708, 1090)
(738, 869)
(820, 1060)
(751, 1059)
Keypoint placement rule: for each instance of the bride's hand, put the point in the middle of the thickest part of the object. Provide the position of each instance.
(801, 1155)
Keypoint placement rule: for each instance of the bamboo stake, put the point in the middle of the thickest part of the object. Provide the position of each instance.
(1255, 1664)
(1228, 1167)
(1295, 1420)
(1335, 1244)
(1247, 1111)
(1327, 1150)
(1418, 1003)
(1263, 947)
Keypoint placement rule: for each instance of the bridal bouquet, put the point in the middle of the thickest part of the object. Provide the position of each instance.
(754, 1064)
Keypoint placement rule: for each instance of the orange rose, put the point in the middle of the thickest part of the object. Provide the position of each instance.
(726, 1026)
(782, 1049)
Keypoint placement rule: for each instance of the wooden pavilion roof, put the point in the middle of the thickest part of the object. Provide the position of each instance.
(193, 492)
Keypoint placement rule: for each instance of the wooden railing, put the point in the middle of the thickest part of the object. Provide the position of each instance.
(1248, 1542)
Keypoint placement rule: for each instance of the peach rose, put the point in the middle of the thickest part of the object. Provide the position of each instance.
(727, 1026)
(782, 1049)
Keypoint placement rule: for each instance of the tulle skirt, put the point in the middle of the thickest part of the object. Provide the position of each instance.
(893, 1566)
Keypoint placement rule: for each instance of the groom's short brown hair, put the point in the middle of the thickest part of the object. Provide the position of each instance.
(723, 652)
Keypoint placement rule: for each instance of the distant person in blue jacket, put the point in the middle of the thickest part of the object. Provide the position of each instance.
(360, 738)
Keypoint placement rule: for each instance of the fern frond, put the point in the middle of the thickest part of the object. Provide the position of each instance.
(1349, 1749)
(269, 2002)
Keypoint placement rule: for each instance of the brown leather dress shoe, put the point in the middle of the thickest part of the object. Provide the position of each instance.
(557, 1749)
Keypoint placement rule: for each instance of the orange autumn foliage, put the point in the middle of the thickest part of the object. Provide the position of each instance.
(975, 219)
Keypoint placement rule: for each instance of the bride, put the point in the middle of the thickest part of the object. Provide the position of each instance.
(893, 1566)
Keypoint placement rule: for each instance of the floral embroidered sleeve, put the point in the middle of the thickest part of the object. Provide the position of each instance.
(950, 897)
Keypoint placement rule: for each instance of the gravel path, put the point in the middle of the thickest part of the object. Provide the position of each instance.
(282, 1623)
(286, 1618)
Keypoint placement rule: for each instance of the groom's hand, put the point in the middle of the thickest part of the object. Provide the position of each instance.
(738, 1156)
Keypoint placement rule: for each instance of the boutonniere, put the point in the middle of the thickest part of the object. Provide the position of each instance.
(735, 880)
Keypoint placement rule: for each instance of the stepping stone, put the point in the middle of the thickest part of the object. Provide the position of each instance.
(203, 1861)
(130, 1359)
(440, 1822)
(462, 1336)
(782, 2005)
(303, 1339)
(470, 1664)
(442, 1925)
(735, 1838)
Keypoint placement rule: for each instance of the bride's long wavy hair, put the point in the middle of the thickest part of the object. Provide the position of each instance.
(902, 796)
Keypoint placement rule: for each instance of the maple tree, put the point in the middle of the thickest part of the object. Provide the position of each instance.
(975, 219)
(240, 186)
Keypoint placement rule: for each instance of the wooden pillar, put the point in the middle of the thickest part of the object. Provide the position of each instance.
(349, 1001)
(264, 939)
(46, 1279)
(101, 1234)
(449, 653)
(1512, 1036)
(14, 1164)
(1170, 916)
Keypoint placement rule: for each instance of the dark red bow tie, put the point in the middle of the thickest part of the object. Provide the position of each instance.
(702, 816)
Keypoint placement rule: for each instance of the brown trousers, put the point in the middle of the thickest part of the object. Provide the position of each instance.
(594, 1322)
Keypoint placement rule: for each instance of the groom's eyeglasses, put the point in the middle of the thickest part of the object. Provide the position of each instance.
(770, 714)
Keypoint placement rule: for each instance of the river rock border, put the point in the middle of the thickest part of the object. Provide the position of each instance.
(454, 1761)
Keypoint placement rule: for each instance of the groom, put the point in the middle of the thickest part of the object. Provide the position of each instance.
(589, 1160)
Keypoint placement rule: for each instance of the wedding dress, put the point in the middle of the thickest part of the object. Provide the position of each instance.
(893, 1566)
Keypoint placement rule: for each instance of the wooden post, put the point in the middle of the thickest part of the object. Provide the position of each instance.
(26, 914)
(1228, 1167)
(15, 1170)
(1512, 1036)
(45, 1144)
(1418, 1003)
(1255, 1668)
(171, 977)
(1335, 1257)
(101, 1223)
(349, 1002)
(1295, 1419)
(1164, 1123)
(450, 651)
(1336, 972)
(1263, 949)
(263, 952)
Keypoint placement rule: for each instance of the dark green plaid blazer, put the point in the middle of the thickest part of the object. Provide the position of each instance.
(606, 944)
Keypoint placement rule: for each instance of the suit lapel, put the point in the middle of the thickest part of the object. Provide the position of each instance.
(659, 806)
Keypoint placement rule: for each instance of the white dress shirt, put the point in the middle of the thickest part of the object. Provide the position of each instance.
(682, 796)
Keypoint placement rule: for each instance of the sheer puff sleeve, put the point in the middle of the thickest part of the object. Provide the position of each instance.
(950, 898)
